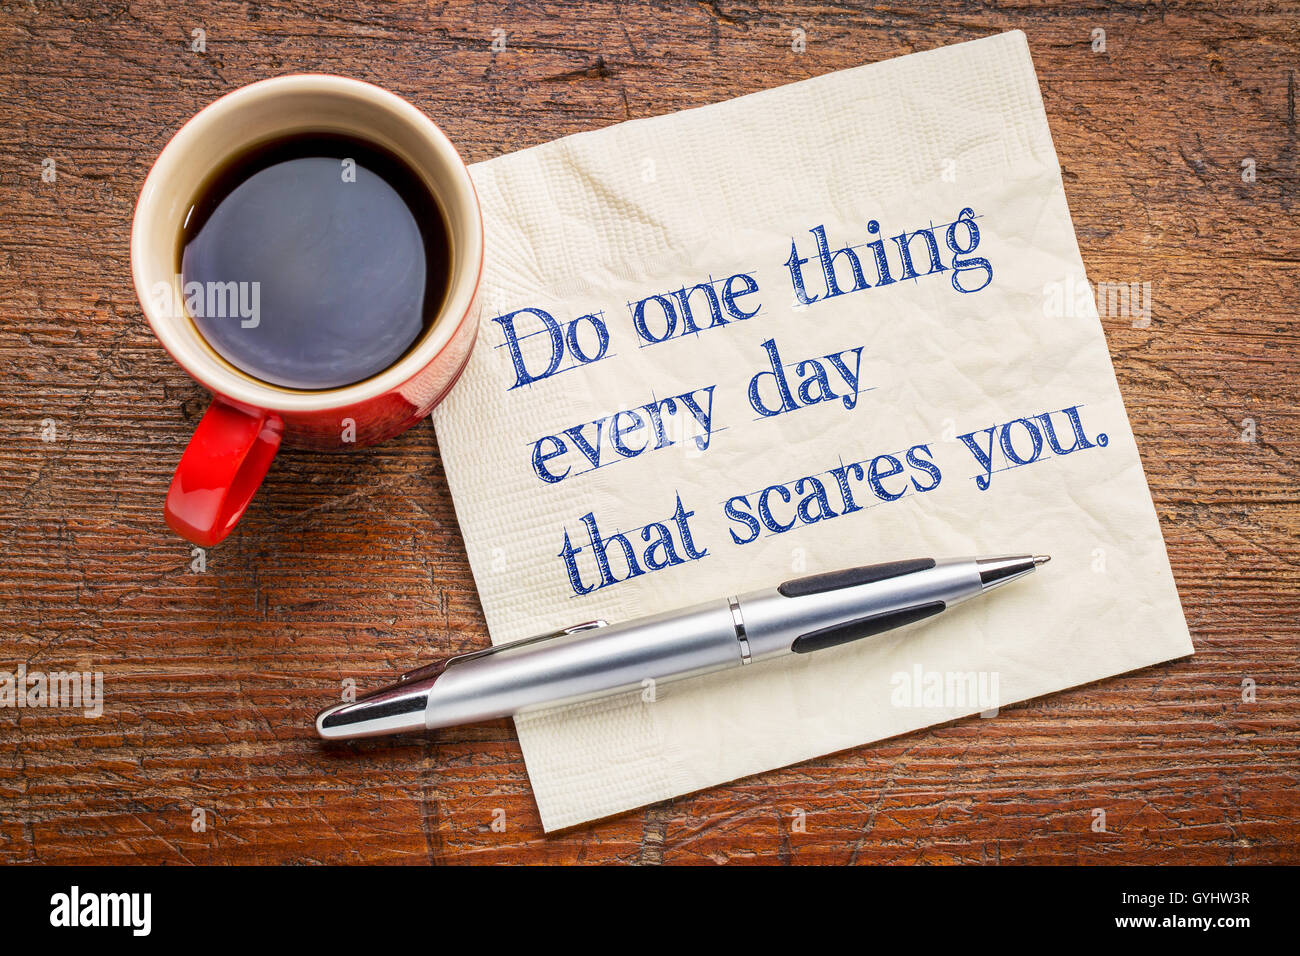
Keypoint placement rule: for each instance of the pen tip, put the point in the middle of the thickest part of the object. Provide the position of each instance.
(1042, 558)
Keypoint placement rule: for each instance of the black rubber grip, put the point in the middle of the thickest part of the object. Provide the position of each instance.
(834, 580)
(863, 627)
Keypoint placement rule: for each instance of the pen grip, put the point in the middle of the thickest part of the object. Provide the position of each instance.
(863, 627)
(850, 577)
(824, 610)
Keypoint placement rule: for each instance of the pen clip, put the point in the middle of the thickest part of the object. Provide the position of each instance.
(437, 667)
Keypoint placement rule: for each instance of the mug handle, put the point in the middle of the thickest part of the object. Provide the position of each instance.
(222, 467)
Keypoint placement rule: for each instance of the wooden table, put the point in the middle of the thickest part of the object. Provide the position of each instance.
(352, 566)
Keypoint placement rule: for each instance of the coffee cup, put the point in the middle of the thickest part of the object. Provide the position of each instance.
(249, 418)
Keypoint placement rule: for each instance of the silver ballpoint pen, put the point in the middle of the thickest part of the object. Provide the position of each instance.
(598, 659)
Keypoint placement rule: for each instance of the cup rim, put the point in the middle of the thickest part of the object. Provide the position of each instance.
(211, 372)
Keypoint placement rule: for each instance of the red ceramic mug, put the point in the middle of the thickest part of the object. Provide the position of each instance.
(249, 420)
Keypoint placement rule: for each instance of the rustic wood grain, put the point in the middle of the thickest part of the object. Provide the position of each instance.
(352, 566)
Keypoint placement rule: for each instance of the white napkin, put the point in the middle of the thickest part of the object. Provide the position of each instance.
(593, 222)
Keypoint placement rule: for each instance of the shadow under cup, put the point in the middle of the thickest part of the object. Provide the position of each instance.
(249, 418)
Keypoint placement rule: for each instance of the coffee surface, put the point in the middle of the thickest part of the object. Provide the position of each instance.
(314, 261)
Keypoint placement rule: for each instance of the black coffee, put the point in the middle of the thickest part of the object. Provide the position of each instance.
(314, 261)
